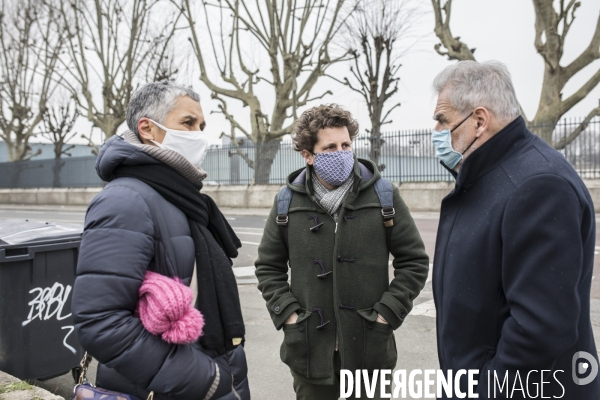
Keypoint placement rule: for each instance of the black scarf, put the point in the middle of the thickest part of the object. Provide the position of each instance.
(215, 243)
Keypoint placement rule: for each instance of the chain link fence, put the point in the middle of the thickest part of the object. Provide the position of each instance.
(404, 156)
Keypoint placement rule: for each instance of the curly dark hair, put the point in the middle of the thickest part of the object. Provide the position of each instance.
(304, 135)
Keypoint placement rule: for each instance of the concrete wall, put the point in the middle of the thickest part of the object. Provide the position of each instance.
(422, 196)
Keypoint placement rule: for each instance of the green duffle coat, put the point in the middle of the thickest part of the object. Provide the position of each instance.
(337, 311)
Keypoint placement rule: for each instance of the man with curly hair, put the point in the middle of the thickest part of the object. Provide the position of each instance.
(329, 224)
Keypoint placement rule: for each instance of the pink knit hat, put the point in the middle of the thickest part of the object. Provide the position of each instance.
(165, 308)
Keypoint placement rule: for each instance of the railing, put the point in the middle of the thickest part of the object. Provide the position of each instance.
(405, 156)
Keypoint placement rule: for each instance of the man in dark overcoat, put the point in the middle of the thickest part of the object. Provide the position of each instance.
(515, 247)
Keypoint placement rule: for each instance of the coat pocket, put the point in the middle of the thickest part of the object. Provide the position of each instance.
(380, 344)
(294, 349)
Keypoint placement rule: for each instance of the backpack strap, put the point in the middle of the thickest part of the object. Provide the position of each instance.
(284, 198)
(385, 192)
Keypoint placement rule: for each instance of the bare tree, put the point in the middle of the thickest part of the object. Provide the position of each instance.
(30, 45)
(292, 37)
(115, 45)
(373, 31)
(58, 128)
(552, 24)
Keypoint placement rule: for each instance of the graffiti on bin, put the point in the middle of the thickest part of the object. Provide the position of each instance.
(47, 304)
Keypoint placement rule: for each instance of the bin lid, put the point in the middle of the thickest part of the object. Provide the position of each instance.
(19, 231)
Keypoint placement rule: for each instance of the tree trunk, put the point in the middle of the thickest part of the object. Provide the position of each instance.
(264, 155)
(17, 151)
(56, 170)
(548, 113)
(375, 135)
(376, 143)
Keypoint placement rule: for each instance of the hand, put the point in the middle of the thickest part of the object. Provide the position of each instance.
(292, 319)
(381, 320)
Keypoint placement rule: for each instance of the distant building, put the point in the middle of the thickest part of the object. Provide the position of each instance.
(80, 150)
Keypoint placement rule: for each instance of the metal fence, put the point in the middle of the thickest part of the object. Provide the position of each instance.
(583, 153)
(406, 156)
(76, 172)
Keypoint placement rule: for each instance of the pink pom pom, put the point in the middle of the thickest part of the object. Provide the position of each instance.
(185, 330)
(165, 309)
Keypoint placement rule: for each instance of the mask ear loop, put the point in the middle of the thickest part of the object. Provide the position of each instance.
(463, 153)
(461, 122)
(157, 144)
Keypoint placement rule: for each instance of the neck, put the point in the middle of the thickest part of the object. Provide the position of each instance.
(327, 185)
(495, 127)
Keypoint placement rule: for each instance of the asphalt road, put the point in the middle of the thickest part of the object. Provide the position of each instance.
(269, 377)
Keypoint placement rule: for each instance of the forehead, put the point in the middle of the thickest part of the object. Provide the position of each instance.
(443, 105)
(333, 134)
(187, 106)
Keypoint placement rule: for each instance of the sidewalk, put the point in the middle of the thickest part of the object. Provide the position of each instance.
(12, 388)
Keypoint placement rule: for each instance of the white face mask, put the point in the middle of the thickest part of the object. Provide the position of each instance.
(190, 144)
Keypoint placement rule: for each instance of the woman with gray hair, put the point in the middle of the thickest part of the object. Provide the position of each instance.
(152, 219)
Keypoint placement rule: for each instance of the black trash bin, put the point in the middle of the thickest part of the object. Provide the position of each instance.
(37, 271)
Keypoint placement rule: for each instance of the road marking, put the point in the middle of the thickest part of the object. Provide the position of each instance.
(244, 271)
(22, 212)
(429, 275)
(250, 243)
(425, 309)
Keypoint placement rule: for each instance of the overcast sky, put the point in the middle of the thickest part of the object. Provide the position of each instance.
(499, 30)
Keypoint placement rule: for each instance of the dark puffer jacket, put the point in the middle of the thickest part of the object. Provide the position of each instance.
(130, 228)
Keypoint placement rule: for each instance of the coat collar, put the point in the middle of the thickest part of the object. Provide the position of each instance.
(493, 152)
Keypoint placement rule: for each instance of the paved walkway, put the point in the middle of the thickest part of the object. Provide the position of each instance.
(269, 377)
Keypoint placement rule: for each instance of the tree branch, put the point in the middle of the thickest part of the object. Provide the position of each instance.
(455, 49)
(562, 143)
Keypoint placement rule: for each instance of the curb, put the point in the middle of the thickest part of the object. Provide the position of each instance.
(12, 388)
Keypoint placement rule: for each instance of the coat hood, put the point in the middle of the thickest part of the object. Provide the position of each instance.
(116, 151)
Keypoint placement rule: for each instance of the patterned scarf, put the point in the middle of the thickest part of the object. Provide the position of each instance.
(331, 200)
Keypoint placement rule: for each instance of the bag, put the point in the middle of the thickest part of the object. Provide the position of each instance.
(86, 391)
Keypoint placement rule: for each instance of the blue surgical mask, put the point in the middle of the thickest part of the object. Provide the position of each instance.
(334, 167)
(442, 140)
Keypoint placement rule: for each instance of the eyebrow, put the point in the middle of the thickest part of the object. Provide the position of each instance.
(193, 119)
(333, 144)
(438, 117)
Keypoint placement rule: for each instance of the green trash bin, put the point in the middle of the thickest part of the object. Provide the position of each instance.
(38, 261)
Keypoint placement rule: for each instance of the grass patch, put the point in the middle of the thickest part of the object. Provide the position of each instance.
(13, 387)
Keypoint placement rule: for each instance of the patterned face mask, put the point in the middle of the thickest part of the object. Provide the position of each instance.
(334, 167)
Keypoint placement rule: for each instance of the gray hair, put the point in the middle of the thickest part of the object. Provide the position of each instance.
(472, 84)
(154, 100)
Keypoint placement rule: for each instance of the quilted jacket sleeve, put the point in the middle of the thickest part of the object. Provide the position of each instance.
(116, 249)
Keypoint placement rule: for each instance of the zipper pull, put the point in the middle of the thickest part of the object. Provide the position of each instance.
(336, 224)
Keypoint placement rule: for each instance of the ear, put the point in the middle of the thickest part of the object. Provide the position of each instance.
(483, 120)
(308, 156)
(145, 129)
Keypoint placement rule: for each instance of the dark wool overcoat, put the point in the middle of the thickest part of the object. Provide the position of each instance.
(338, 310)
(130, 228)
(513, 270)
